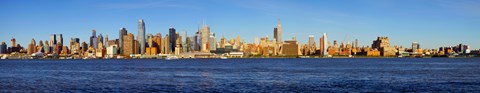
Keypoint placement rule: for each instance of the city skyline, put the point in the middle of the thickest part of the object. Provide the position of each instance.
(443, 27)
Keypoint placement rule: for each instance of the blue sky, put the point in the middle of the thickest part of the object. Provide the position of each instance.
(432, 23)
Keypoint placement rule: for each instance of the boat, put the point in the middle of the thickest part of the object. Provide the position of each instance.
(223, 57)
(171, 58)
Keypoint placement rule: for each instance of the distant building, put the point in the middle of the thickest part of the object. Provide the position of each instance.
(141, 35)
(311, 47)
(53, 39)
(277, 32)
(415, 47)
(324, 45)
(173, 38)
(205, 38)
(122, 32)
(3, 48)
(128, 44)
(383, 45)
(93, 39)
(32, 47)
(291, 48)
(213, 42)
(112, 50)
(60, 39)
(166, 45)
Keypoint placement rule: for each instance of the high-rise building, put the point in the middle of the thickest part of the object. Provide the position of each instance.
(415, 47)
(106, 41)
(84, 47)
(60, 39)
(122, 32)
(141, 35)
(128, 44)
(13, 42)
(197, 41)
(290, 48)
(205, 35)
(32, 47)
(3, 48)
(322, 45)
(277, 32)
(325, 44)
(166, 45)
(356, 43)
(383, 45)
(222, 42)
(158, 41)
(188, 46)
(100, 38)
(311, 41)
(185, 45)
(46, 47)
(173, 38)
(53, 39)
(93, 39)
(212, 42)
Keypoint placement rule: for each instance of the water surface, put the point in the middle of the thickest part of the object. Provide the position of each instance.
(242, 75)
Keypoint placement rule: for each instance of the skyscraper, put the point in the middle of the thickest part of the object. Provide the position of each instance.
(141, 35)
(60, 39)
(311, 41)
(3, 48)
(128, 44)
(32, 47)
(100, 38)
(212, 43)
(106, 41)
(53, 39)
(356, 43)
(205, 35)
(122, 32)
(277, 32)
(93, 39)
(325, 44)
(173, 38)
(185, 43)
(322, 46)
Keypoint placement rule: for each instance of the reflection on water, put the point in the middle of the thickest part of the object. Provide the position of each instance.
(241, 75)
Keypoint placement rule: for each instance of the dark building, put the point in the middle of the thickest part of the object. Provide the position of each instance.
(173, 38)
(121, 33)
(93, 39)
(3, 48)
(60, 39)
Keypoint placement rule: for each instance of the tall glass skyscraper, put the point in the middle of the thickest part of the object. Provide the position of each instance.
(173, 38)
(141, 35)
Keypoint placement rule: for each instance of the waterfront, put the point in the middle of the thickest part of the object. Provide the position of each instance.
(243, 75)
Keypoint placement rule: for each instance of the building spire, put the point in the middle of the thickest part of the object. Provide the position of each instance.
(278, 24)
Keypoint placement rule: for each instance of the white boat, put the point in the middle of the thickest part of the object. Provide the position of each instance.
(171, 58)
(223, 57)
